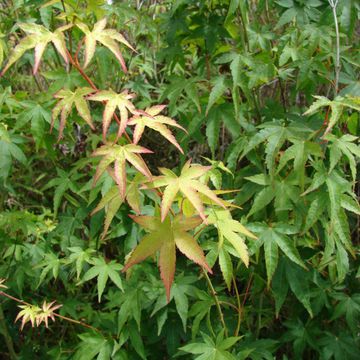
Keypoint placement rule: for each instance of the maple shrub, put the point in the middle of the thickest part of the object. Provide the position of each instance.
(179, 178)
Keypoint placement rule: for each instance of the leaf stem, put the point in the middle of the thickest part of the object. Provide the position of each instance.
(333, 5)
(2, 293)
(217, 302)
(237, 330)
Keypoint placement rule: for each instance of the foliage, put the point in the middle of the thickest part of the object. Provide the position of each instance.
(227, 131)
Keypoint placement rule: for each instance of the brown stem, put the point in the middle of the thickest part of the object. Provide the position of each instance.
(55, 314)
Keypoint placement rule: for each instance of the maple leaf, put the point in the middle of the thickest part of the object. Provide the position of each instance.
(187, 184)
(119, 154)
(230, 229)
(107, 37)
(67, 100)
(111, 201)
(166, 235)
(47, 311)
(156, 122)
(29, 313)
(113, 101)
(38, 37)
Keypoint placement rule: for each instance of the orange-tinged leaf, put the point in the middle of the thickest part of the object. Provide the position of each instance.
(151, 223)
(168, 198)
(38, 37)
(188, 184)
(152, 120)
(107, 37)
(189, 247)
(120, 175)
(115, 101)
(167, 263)
(166, 236)
(119, 154)
(148, 246)
(68, 99)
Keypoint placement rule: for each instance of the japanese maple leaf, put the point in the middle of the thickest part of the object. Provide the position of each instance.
(38, 37)
(67, 100)
(47, 311)
(113, 101)
(188, 185)
(231, 230)
(111, 201)
(107, 37)
(156, 122)
(119, 154)
(166, 235)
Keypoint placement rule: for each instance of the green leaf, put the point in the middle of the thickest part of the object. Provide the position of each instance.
(216, 92)
(165, 236)
(226, 266)
(103, 270)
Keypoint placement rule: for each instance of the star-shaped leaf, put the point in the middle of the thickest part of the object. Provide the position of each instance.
(107, 37)
(231, 229)
(103, 271)
(119, 154)
(67, 100)
(188, 184)
(29, 313)
(166, 235)
(156, 122)
(113, 101)
(47, 311)
(38, 37)
(111, 201)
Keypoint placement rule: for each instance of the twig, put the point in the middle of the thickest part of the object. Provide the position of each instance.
(2, 293)
(218, 306)
(333, 5)
(237, 330)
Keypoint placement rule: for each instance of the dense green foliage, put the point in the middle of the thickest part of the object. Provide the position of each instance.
(265, 95)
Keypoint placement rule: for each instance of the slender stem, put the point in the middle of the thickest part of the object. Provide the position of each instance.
(218, 306)
(333, 5)
(55, 314)
(77, 322)
(237, 330)
(7, 336)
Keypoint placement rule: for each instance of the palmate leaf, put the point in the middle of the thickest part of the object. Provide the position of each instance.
(156, 122)
(68, 99)
(165, 235)
(274, 237)
(212, 350)
(231, 229)
(111, 201)
(38, 37)
(188, 184)
(337, 106)
(107, 37)
(103, 271)
(119, 154)
(115, 101)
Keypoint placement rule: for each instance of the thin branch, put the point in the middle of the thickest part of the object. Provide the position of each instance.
(217, 302)
(333, 5)
(2, 293)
